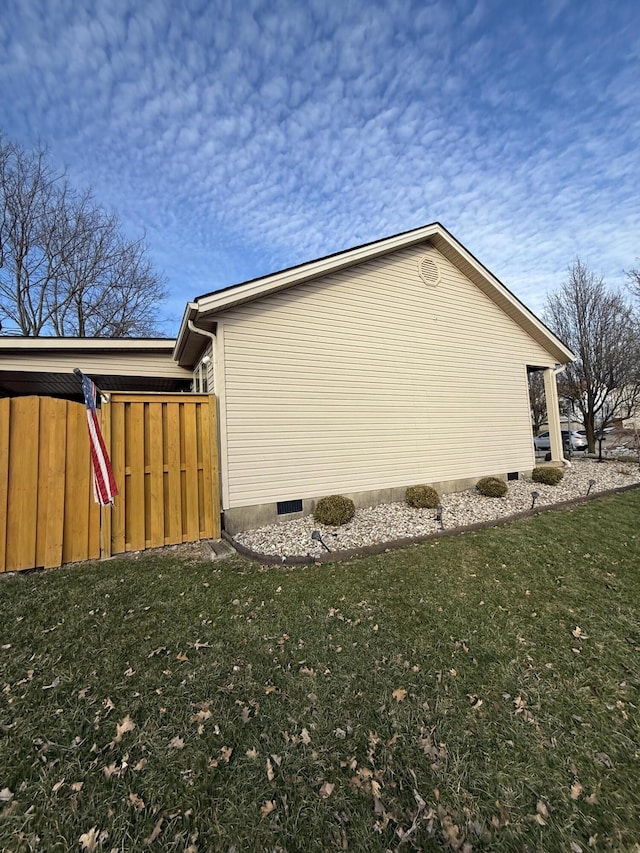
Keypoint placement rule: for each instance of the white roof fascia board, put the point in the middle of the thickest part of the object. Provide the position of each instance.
(215, 302)
(518, 306)
(211, 304)
(190, 313)
(87, 344)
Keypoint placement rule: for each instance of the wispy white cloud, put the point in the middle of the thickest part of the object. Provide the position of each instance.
(247, 137)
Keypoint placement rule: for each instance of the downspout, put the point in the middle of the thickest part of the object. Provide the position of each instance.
(556, 372)
(207, 334)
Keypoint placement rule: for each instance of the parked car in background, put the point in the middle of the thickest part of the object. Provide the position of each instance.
(578, 442)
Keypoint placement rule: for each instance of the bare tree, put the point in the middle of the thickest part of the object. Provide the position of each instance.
(537, 400)
(65, 266)
(600, 327)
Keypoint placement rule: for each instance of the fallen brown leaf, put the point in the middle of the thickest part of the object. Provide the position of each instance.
(93, 838)
(136, 801)
(155, 832)
(267, 808)
(127, 725)
(399, 694)
(576, 790)
(326, 790)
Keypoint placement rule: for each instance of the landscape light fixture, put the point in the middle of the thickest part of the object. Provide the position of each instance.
(439, 516)
(318, 538)
(591, 485)
(534, 498)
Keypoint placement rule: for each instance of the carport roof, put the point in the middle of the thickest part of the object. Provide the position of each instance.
(44, 366)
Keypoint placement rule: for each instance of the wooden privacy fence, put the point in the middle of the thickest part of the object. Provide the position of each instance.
(164, 453)
(165, 458)
(47, 513)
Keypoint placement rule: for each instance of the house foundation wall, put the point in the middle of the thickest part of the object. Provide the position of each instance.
(242, 518)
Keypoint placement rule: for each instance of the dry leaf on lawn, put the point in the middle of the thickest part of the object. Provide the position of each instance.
(270, 773)
(327, 790)
(542, 809)
(155, 832)
(201, 716)
(576, 790)
(6, 795)
(136, 801)
(251, 753)
(93, 838)
(267, 808)
(176, 743)
(127, 725)
(305, 736)
(400, 694)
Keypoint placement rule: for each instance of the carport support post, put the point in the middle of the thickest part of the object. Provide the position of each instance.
(553, 414)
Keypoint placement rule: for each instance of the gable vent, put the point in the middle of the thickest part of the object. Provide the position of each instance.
(429, 271)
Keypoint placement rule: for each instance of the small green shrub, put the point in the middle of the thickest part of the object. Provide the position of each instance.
(422, 497)
(492, 487)
(548, 476)
(334, 510)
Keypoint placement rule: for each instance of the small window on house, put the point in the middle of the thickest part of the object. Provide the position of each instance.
(513, 475)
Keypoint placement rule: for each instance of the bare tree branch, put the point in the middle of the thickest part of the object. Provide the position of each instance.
(600, 327)
(65, 266)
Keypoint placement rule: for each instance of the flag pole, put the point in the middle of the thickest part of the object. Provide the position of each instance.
(104, 397)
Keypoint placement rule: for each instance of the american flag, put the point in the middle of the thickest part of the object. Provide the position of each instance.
(104, 484)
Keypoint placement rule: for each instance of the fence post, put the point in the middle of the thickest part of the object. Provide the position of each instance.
(214, 444)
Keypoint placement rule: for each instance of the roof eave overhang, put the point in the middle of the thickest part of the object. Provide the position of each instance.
(212, 304)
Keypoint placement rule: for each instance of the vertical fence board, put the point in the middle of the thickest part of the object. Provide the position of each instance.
(191, 530)
(173, 530)
(118, 514)
(23, 480)
(80, 487)
(52, 486)
(204, 472)
(135, 509)
(155, 455)
(5, 415)
(93, 539)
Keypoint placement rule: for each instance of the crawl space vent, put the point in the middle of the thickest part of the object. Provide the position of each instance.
(285, 507)
(429, 271)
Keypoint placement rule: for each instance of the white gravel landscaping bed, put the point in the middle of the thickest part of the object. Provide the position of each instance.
(387, 522)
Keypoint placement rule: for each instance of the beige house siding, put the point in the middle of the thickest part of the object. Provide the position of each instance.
(370, 379)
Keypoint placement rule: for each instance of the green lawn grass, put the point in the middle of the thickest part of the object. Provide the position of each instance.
(475, 693)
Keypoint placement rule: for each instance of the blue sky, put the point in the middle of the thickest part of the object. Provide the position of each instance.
(251, 135)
